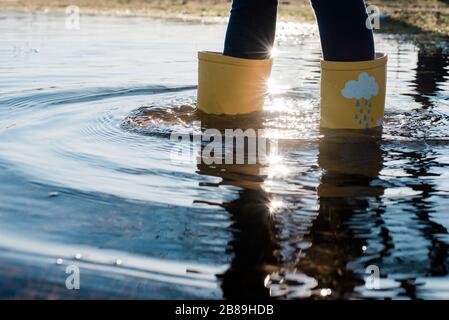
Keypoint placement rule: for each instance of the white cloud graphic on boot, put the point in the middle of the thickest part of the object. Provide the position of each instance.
(365, 87)
(362, 90)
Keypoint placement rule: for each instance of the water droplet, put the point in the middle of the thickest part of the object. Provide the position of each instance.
(118, 262)
(364, 248)
(59, 261)
(325, 292)
(78, 256)
(53, 194)
(267, 281)
(277, 291)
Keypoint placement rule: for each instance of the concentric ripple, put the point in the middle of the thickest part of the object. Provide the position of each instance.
(87, 147)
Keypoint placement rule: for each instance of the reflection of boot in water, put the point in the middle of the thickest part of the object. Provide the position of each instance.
(254, 245)
(350, 161)
(431, 71)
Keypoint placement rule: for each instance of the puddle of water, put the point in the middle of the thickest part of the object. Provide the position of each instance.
(85, 158)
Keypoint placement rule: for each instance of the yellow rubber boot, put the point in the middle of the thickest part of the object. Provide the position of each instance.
(353, 93)
(228, 85)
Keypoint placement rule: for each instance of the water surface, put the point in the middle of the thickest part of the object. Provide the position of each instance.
(87, 178)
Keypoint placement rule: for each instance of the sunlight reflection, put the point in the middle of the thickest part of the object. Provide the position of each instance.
(290, 29)
(274, 157)
(274, 52)
(325, 292)
(274, 87)
(278, 171)
(275, 206)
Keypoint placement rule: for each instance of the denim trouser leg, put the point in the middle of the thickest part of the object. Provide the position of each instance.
(251, 29)
(343, 32)
(342, 24)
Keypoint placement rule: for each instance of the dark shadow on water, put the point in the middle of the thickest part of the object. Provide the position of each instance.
(422, 162)
(431, 72)
(350, 214)
(254, 245)
(354, 213)
(351, 161)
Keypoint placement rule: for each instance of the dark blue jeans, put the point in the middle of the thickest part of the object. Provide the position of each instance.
(342, 25)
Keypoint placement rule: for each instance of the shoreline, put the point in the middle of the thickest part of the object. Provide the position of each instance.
(409, 17)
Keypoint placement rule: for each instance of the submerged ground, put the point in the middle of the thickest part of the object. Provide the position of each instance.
(87, 177)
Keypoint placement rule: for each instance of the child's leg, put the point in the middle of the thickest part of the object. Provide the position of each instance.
(343, 32)
(227, 84)
(353, 81)
(251, 29)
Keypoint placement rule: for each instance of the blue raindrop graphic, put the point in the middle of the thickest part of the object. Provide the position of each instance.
(363, 119)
